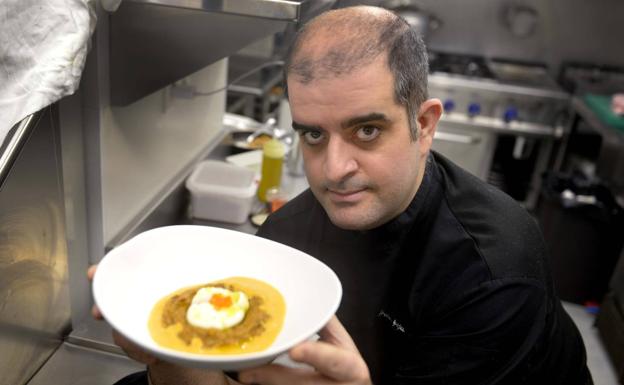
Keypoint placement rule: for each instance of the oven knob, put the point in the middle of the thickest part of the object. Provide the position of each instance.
(449, 105)
(474, 109)
(511, 113)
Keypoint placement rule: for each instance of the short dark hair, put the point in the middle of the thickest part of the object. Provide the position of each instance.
(365, 33)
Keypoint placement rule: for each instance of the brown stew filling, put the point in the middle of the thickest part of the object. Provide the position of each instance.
(252, 325)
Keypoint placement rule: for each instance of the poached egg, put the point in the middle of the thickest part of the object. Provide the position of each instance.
(217, 308)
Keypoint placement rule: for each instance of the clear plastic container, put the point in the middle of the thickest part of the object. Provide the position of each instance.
(221, 191)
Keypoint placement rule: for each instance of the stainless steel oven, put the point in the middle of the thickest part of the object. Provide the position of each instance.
(472, 148)
(488, 103)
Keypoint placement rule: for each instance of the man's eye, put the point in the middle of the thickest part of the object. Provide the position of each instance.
(367, 133)
(312, 137)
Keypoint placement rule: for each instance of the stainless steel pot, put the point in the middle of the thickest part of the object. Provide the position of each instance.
(418, 18)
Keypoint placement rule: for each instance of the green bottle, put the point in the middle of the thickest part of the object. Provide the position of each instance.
(272, 160)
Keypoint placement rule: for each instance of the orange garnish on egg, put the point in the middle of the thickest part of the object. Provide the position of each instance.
(220, 301)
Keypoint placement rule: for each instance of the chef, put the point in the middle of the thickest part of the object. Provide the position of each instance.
(445, 277)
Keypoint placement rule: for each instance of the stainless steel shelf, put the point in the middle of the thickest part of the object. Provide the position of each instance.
(445, 80)
(272, 9)
(154, 43)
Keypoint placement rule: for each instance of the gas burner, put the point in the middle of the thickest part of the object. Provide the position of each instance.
(459, 64)
(522, 73)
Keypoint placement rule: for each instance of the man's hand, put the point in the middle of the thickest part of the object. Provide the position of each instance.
(335, 358)
(95, 312)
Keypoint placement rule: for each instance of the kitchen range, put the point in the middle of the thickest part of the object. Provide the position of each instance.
(498, 115)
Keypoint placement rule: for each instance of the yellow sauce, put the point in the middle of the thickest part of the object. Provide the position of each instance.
(273, 304)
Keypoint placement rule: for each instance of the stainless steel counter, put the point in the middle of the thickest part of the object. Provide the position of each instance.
(77, 365)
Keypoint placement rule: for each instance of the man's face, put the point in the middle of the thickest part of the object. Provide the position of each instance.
(359, 159)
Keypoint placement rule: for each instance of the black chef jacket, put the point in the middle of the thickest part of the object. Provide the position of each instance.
(455, 290)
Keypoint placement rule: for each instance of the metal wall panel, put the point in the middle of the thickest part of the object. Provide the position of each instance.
(34, 299)
(149, 146)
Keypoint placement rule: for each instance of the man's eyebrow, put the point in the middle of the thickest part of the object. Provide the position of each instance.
(303, 127)
(372, 117)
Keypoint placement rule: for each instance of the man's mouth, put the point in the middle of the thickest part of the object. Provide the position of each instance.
(345, 196)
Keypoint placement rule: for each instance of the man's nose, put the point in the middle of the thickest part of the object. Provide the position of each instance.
(340, 162)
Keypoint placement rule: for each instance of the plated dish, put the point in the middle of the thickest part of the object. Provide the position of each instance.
(136, 281)
(235, 315)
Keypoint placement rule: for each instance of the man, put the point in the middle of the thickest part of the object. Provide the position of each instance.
(444, 277)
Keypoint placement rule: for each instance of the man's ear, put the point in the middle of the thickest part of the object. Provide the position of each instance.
(428, 117)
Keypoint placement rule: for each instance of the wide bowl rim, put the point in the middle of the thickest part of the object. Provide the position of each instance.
(211, 360)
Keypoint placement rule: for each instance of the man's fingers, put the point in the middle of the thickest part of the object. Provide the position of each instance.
(335, 355)
(280, 375)
(96, 313)
(332, 361)
(335, 334)
(91, 272)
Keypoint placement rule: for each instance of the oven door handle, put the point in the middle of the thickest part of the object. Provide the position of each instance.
(456, 138)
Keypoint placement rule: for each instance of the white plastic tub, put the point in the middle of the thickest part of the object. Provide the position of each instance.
(221, 191)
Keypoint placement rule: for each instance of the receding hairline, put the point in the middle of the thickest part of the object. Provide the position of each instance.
(350, 13)
(330, 42)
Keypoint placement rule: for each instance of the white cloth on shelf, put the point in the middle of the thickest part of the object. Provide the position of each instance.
(43, 48)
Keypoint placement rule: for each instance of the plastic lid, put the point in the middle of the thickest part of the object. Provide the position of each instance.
(222, 178)
(273, 149)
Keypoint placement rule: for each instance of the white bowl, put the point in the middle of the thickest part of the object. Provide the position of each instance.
(135, 275)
